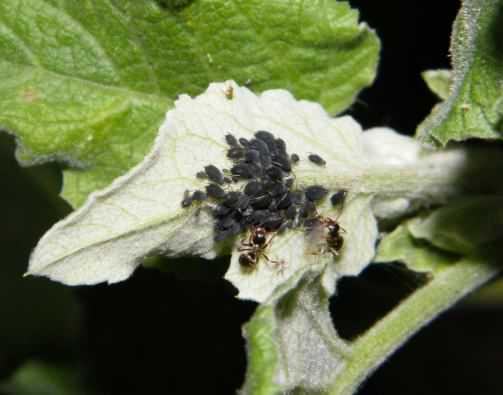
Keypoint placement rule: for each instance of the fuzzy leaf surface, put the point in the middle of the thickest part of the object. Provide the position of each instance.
(140, 213)
(474, 107)
(88, 82)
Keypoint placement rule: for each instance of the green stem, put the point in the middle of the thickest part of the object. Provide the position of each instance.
(445, 289)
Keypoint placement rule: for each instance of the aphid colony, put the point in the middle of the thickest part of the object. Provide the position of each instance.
(268, 201)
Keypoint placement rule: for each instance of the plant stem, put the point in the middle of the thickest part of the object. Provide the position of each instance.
(384, 338)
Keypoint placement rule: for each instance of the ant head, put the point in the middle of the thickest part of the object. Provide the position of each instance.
(259, 236)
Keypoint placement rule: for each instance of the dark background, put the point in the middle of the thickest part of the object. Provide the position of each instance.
(180, 333)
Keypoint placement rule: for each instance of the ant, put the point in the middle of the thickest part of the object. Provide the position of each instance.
(334, 239)
(253, 248)
(332, 236)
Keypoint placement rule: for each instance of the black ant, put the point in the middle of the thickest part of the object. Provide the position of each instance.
(253, 248)
(334, 239)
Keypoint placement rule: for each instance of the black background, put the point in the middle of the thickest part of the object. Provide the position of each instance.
(180, 333)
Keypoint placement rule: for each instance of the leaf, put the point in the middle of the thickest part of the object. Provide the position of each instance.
(418, 255)
(291, 340)
(474, 106)
(88, 83)
(295, 250)
(463, 226)
(140, 213)
(439, 82)
(42, 378)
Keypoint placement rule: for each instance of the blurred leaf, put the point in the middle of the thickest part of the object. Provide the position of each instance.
(439, 82)
(474, 107)
(42, 378)
(418, 255)
(89, 82)
(463, 226)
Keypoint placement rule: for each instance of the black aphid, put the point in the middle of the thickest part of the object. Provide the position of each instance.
(294, 158)
(338, 197)
(275, 188)
(253, 188)
(281, 145)
(243, 170)
(260, 146)
(264, 135)
(187, 199)
(317, 159)
(283, 162)
(315, 193)
(242, 203)
(199, 196)
(231, 199)
(274, 173)
(252, 156)
(273, 222)
(231, 140)
(215, 191)
(244, 142)
(284, 202)
(261, 202)
(291, 213)
(222, 211)
(235, 153)
(267, 138)
(257, 217)
(308, 210)
(214, 174)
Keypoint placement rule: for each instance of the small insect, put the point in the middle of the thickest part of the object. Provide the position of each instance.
(275, 173)
(254, 248)
(199, 196)
(231, 140)
(338, 197)
(315, 193)
(316, 159)
(214, 174)
(334, 239)
(187, 199)
(294, 158)
(202, 175)
(215, 191)
(229, 92)
(325, 235)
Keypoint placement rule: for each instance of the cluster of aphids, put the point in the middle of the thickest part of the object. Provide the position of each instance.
(268, 202)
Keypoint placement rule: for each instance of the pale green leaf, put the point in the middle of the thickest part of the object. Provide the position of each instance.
(439, 82)
(293, 345)
(463, 226)
(140, 213)
(418, 255)
(474, 107)
(42, 378)
(88, 82)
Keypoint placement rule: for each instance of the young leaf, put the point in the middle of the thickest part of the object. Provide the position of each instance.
(42, 378)
(463, 226)
(474, 107)
(291, 340)
(418, 255)
(88, 83)
(439, 82)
